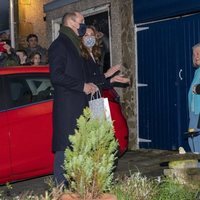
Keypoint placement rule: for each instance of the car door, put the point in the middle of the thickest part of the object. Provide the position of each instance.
(30, 124)
(5, 160)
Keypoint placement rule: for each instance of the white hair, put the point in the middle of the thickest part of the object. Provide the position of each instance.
(193, 48)
(196, 46)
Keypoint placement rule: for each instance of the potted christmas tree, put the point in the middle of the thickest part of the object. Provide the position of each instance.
(90, 162)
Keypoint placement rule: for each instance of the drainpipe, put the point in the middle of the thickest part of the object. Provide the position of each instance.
(12, 32)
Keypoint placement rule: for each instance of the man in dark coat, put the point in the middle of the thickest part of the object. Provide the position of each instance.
(68, 78)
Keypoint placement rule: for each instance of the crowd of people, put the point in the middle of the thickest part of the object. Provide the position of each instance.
(74, 59)
(33, 54)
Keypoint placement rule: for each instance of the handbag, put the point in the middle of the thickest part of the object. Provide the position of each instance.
(99, 107)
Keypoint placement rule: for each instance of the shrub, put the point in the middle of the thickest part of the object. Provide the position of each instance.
(135, 187)
(89, 163)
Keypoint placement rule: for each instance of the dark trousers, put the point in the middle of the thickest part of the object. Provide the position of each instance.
(58, 168)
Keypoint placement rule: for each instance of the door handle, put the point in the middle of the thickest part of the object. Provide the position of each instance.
(142, 85)
(180, 74)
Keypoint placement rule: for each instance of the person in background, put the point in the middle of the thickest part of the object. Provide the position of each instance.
(91, 52)
(194, 103)
(33, 46)
(22, 56)
(5, 36)
(67, 74)
(35, 59)
(8, 57)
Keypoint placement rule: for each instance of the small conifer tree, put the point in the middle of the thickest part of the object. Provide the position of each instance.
(89, 163)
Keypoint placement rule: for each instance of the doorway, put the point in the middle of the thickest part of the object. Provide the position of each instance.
(99, 17)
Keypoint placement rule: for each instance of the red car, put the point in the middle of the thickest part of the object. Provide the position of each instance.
(25, 130)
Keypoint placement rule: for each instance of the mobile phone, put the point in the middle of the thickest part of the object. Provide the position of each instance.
(2, 49)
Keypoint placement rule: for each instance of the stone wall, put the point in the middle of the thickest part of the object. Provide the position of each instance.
(31, 19)
(122, 48)
(128, 60)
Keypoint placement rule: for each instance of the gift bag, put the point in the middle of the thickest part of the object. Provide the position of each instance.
(99, 107)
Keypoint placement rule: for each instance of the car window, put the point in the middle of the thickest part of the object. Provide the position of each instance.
(2, 101)
(27, 89)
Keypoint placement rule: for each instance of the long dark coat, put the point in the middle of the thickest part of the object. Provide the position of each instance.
(68, 78)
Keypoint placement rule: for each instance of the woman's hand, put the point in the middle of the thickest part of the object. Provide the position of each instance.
(112, 70)
(119, 79)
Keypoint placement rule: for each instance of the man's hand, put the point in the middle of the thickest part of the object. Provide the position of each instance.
(90, 88)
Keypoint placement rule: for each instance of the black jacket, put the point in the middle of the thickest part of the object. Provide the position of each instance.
(68, 78)
(94, 75)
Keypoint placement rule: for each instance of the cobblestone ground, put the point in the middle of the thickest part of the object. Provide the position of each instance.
(149, 162)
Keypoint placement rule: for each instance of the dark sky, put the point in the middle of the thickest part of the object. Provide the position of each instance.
(4, 15)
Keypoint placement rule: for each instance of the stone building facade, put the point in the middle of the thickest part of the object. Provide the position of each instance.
(34, 18)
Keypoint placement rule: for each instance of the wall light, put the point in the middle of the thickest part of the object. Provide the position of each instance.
(25, 2)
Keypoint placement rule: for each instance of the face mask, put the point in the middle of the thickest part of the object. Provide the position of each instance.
(81, 30)
(89, 41)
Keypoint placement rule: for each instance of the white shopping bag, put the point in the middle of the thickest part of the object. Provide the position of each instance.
(99, 107)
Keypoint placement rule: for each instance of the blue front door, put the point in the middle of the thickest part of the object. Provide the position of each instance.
(165, 66)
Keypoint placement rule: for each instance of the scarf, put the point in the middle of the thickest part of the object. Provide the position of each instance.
(72, 36)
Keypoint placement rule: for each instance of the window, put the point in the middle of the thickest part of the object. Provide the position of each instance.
(28, 89)
(2, 99)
